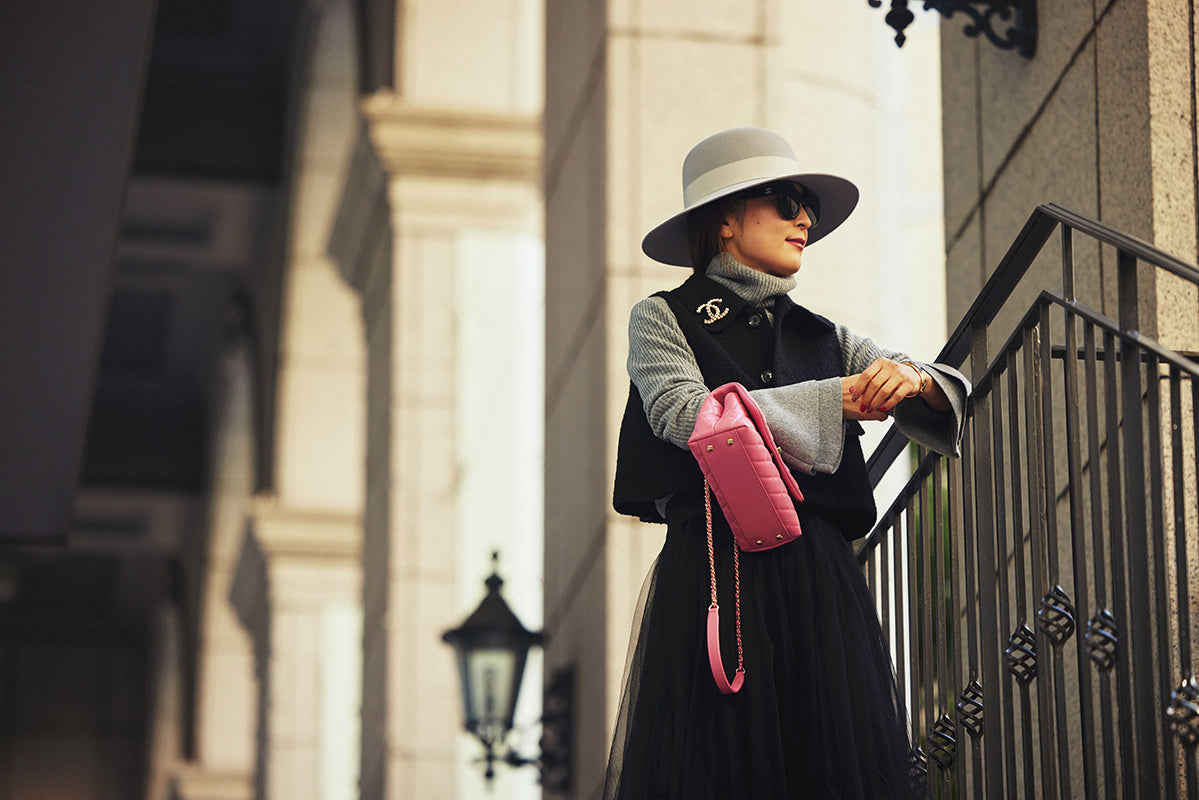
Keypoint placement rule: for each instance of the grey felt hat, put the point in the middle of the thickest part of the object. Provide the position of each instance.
(737, 159)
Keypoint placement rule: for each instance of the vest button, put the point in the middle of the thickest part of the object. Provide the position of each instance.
(755, 320)
(767, 377)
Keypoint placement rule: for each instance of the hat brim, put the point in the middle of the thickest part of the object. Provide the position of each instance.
(668, 242)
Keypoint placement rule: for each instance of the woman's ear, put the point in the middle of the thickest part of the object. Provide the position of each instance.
(726, 227)
(733, 215)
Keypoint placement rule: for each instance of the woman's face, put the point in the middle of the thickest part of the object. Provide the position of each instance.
(759, 238)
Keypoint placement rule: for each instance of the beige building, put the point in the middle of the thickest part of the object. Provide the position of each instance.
(343, 310)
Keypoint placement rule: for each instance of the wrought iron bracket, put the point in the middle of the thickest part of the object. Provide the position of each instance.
(1007, 24)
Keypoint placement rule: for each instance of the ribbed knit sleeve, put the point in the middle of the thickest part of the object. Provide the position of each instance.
(662, 367)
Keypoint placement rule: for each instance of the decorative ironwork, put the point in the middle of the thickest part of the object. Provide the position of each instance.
(970, 709)
(1056, 615)
(1007, 24)
(942, 743)
(918, 769)
(1183, 713)
(1101, 639)
(1118, 385)
(1021, 654)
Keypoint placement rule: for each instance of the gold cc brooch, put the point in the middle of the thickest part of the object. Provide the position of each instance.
(712, 310)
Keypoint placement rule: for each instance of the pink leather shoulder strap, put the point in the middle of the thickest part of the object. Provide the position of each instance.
(714, 660)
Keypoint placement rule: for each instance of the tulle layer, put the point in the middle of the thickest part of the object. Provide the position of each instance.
(818, 715)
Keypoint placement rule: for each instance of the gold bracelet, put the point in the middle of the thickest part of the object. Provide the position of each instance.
(920, 374)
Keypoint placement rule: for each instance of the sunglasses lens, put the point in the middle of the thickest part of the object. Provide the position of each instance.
(789, 204)
(791, 200)
(812, 206)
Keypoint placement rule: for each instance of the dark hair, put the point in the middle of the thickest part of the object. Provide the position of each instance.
(703, 229)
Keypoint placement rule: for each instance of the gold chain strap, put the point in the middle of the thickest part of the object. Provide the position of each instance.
(736, 574)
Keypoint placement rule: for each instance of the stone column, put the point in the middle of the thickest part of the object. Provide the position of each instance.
(423, 181)
(298, 587)
(223, 766)
(296, 591)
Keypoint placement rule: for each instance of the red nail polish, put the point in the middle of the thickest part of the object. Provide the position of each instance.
(862, 408)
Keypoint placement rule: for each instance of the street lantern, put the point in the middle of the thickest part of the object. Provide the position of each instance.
(492, 647)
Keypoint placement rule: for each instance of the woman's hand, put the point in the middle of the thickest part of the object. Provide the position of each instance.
(874, 392)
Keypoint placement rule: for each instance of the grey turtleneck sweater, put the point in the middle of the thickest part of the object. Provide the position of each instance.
(804, 418)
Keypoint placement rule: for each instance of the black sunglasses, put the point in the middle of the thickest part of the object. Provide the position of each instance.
(789, 198)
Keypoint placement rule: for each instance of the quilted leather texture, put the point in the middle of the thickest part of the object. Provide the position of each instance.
(737, 454)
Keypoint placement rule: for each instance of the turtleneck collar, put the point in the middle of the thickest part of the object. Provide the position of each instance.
(751, 285)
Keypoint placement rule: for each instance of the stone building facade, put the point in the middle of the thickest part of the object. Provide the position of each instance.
(454, 255)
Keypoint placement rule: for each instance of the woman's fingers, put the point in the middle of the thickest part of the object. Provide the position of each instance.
(852, 406)
(881, 385)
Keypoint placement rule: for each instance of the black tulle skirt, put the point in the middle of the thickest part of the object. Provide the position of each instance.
(818, 715)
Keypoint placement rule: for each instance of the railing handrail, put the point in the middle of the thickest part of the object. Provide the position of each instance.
(1183, 362)
(1002, 283)
(1019, 257)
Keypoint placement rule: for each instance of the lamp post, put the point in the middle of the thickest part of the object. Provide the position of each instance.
(492, 646)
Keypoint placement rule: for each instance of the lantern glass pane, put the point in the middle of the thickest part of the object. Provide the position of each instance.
(490, 675)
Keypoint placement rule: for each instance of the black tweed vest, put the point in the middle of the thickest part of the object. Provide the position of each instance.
(735, 342)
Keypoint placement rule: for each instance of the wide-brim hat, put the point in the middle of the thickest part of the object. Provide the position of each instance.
(737, 159)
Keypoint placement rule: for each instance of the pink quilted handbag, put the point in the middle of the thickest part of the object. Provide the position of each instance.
(742, 465)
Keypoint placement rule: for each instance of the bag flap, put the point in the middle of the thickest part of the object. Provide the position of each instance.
(730, 406)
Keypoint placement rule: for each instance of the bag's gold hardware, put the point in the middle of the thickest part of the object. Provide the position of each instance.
(778, 536)
(709, 448)
(759, 541)
(730, 441)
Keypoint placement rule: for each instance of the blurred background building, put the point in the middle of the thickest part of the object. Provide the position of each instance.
(308, 306)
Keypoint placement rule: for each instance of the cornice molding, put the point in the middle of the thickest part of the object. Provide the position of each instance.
(452, 144)
(197, 783)
(287, 532)
(277, 536)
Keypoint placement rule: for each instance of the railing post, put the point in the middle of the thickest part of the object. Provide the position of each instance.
(1079, 551)
(1040, 509)
(973, 703)
(992, 668)
(1137, 535)
(1117, 542)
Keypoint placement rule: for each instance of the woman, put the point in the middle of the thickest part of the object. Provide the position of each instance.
(819, 714)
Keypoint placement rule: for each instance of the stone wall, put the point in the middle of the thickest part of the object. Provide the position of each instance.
(1101, 121)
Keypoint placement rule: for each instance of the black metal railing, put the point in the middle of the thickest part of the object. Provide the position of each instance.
(1038, 591)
